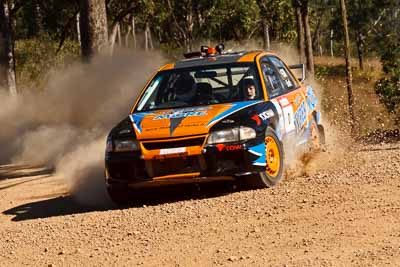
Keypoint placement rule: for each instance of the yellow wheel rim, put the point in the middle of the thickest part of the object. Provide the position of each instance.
(315, 136)
(272, 156)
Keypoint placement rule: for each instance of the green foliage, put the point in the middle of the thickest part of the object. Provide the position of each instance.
(331, 71)
(234, 20)
(388, 40)
(40, 25)
(388, 90)
(391, 59)
(49, 16)
(35, 57)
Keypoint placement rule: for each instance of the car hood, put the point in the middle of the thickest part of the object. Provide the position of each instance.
(179, 122)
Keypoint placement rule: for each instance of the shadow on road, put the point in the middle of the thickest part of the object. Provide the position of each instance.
(67, 205)
(47, 208)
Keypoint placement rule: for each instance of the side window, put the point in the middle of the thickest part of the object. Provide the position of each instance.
(285, 75)
(272, 80)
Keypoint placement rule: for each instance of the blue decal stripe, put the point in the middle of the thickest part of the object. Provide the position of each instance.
(235, 107)
(255, 153)
(258, 150)
(260, 160)
(136, 119)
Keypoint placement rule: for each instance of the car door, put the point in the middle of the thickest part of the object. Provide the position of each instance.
(286, 94)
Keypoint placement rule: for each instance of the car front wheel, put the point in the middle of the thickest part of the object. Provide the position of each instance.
(274, 163)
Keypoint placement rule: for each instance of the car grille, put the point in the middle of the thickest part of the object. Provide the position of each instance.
(150, 145)
(174, 166)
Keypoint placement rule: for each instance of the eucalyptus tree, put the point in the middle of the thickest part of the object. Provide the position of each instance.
(93, 27)
(7, 59)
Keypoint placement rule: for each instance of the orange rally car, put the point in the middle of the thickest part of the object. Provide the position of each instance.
(214, 115)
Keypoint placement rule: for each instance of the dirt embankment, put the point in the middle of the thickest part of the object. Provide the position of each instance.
(346, 213)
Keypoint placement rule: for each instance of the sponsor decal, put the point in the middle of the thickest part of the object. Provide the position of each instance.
(297, 100)
(312, 99)
(180, 114)
(300, 116)
(177, 116)
(223, 147)
(228, 121)
(124, 131)
(266, 114)
(167, 151)
(284, 102)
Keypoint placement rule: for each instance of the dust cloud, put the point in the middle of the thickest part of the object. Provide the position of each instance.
(65, 125)
(338, 140)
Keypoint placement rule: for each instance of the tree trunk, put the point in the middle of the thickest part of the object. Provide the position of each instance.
(7, 63)
(146, 39)
(113, 37)
(331, 43)
(300, 34)
(360, 46)
(348, 67)
(78, 29)
(148, 36)
(266, 40)
(127, 35)
(93, 27)
(134, 33)
(317, 34)
(189, 26)
(119, 34)
(38, 18)
(185, 31)
(318, 44)
(308, 39)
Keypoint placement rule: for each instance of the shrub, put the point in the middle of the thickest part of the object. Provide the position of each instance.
(36, 57)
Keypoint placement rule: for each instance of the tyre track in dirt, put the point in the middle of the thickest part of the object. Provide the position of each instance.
(345, 211)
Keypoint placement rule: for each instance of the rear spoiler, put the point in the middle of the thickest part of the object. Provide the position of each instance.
(303, 71)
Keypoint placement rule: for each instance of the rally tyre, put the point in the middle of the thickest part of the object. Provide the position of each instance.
(274, 163)
(120, 195)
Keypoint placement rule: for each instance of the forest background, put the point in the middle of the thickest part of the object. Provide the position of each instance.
(38, 36)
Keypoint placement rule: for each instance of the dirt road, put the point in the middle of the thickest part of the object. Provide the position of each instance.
(343, 213)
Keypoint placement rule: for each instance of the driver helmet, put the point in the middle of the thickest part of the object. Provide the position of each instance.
(185, 89)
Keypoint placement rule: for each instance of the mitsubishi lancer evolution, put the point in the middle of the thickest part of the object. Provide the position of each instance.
(214, 115)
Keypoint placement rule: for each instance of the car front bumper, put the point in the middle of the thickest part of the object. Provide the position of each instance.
(217, 162)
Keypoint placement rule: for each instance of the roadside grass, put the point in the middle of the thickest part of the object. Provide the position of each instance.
(370, 113)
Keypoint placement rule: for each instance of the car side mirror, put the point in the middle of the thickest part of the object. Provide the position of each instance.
(303, 71)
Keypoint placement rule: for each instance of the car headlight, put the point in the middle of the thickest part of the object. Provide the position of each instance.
(231, 135)
(125, 145)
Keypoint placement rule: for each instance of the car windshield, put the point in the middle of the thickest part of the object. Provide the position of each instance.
(201, 86)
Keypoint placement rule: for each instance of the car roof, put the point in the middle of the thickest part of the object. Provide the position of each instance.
(224, 58)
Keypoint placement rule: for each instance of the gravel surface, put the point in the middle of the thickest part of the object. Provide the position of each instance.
(343, 210)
